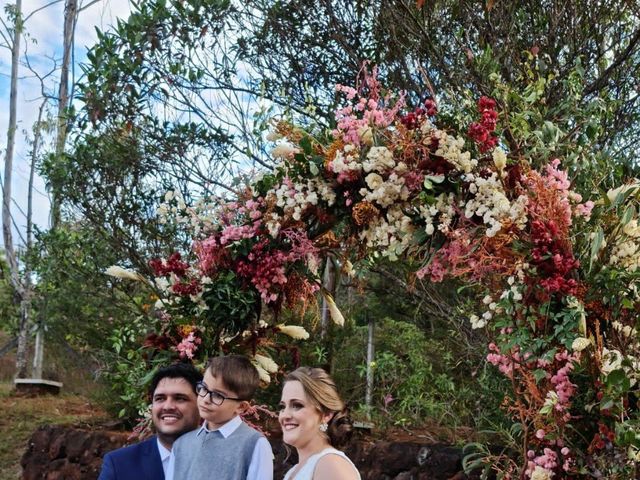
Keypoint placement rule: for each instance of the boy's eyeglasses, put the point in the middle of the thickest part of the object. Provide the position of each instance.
(215, 397)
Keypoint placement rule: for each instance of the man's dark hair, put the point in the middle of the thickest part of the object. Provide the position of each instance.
(177, 370)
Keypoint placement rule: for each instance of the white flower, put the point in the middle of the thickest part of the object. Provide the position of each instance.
(119, 272)
(450, 148)
(162, 210)
(378, 159)
(499, 158)
(347, 268)
(580, 344)
(611, 360)
(374, 181)
(294, 331)
(541, 474)
(632, 229)
(266, 362)
(366, 135)
(162, 284)
(477, 322)
(284, 151)
(490, 202)
(273, 136)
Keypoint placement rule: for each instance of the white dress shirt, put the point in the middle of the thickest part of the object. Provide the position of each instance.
(261, 466)
(165, 453)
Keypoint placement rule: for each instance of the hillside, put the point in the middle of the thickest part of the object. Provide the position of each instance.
(22, 415)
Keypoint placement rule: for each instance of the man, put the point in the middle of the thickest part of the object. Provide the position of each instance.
(174, 411)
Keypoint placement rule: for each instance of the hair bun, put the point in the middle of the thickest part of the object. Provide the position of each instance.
(340, 429)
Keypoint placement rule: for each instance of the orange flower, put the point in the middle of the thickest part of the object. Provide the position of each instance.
(364, 213)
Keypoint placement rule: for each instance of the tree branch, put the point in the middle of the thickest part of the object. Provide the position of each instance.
(602, 80)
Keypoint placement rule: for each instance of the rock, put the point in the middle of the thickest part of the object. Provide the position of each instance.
(57, 452)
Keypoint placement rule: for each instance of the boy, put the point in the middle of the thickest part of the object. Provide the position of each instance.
(224, 448)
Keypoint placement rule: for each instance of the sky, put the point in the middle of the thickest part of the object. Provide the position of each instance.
(43, 47)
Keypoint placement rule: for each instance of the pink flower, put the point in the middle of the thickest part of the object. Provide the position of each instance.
(188, 346)
(584, 209)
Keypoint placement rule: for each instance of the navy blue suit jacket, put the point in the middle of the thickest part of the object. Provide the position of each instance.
(136, 462)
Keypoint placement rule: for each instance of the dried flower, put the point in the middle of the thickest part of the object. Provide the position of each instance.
(580, 344)
(364, 213)
(262, 373)
(266, 362)
(335, 313)
(119, 272)
(294, 331)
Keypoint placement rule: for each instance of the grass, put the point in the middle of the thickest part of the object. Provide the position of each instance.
(23, 415)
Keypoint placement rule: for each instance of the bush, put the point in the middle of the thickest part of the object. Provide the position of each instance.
(416, 379)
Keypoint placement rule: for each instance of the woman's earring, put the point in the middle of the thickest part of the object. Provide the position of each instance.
(323, 427)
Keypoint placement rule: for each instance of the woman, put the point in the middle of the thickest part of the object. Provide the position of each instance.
(313, 420)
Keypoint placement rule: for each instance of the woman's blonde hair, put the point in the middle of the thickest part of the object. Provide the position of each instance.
(321, 391)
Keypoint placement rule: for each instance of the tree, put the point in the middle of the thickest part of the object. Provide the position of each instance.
(21, 288)
(168, 97)
(448, 48)
(21, 272)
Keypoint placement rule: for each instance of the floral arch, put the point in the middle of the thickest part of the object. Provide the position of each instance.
(559, 275)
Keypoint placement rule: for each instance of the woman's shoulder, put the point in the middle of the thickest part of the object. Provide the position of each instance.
(334, 464)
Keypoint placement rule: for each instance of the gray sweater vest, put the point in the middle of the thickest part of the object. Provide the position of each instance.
(210, 456)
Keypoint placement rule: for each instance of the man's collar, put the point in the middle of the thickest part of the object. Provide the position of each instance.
(164, 451)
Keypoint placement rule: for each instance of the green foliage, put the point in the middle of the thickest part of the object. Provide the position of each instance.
(130, 370)
(232, 308)
(416, 379)
(9, 311)
(78, 301)
(565, 80)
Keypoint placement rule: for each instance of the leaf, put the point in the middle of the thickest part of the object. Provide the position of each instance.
(419, 4)
(627, 304)
(435, 178)
(616, 377)
(628, 214)
(539, 374)
(490, 5)
(305, 143)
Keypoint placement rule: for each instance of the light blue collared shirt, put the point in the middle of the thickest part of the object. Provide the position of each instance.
(165, 453)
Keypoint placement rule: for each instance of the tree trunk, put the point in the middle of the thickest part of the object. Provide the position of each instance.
(70, 17)
(38, 355)
(12, 260)
(38, 352)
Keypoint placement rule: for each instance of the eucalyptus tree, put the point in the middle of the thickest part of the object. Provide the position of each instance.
(13, 35)
(18, 255)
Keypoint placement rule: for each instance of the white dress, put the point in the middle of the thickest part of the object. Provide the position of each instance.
(306, 472)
